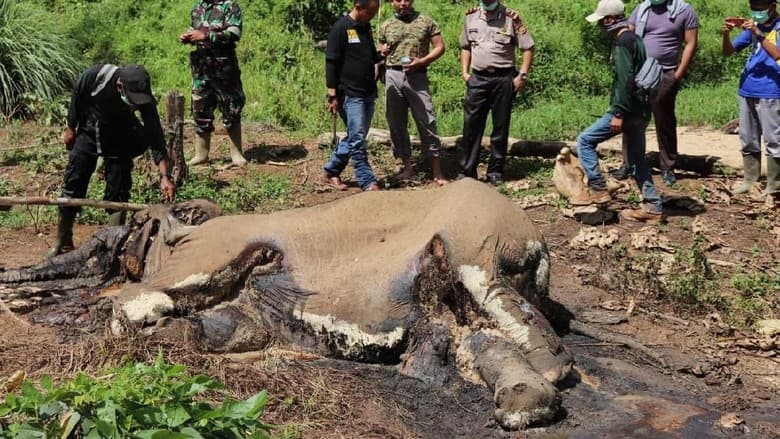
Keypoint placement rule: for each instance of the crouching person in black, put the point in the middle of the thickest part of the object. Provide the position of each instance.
(102, 122)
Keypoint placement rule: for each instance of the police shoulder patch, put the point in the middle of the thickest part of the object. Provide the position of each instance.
(516, 21)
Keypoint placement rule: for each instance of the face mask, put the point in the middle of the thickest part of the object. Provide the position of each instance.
(657, 2)
(490, 8)
(609, 28)
(124, 98)
(760, 17)
(403, 15)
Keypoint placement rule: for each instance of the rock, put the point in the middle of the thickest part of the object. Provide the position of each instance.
(769, 327)
(591, 215)
(730, 420)
(592, 237)
(647, 238)
(568, 175)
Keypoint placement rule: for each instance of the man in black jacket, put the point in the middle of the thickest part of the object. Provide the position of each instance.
(351, 81)
(102, 122)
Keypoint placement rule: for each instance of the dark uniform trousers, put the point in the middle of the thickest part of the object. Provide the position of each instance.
(494, 92)
(82, 161)
(663, 105)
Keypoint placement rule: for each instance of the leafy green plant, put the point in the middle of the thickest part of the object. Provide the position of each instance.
(136, 401)
(691, 279)
(755, 293)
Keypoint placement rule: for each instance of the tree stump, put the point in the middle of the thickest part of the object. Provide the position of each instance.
(173, 130)
(174, 137)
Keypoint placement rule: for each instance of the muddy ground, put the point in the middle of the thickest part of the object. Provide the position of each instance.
(705, 371)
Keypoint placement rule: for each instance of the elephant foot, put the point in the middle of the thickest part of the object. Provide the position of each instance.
(522, 395)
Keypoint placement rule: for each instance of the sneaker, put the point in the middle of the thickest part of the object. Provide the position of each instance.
(620, 173)
(591, 196)
(642, 216)
(668, 177)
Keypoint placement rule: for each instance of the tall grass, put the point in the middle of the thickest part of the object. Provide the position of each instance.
(37, 60)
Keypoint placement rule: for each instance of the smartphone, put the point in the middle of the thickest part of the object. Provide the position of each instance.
(736, 21)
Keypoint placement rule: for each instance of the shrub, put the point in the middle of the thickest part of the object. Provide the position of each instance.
(135, 401)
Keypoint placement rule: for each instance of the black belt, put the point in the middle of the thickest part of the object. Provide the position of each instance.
(395, 67)
(490, 71)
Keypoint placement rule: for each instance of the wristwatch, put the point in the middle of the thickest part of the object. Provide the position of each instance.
(761, 35)
(331, 97)
(524, 76)
(167, 174)
(617, 114)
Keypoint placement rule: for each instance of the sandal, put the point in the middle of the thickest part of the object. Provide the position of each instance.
(334, 181)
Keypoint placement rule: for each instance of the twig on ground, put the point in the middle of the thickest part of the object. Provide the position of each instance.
(663, 316)
(610, 337)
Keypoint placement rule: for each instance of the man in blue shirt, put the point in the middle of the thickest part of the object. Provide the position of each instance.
(759, 92)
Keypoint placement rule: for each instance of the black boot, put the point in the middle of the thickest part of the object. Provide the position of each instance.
(64, 242)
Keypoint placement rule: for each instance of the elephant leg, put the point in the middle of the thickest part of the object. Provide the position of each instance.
(522, 396)
(521, 323)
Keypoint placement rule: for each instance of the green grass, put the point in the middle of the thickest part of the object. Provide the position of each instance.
(283, 72)
(37, 59)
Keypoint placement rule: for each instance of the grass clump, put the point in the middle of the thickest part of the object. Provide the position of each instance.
(691, 281)
(37, 61)
(138, 400)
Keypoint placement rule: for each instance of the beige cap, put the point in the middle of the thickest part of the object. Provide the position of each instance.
(607, 8)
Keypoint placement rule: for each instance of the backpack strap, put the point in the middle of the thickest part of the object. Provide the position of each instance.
(104, 75)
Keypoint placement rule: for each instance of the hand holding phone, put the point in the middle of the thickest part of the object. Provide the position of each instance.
(735, 21)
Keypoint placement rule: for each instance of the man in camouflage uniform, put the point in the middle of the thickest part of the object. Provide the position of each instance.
(405, 40)
(490, 36)
(216, 78)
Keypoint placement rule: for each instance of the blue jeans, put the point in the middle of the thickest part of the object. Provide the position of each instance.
(356, 114)
(634, 127)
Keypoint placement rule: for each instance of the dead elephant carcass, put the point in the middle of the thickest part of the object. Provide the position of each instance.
(435, 281)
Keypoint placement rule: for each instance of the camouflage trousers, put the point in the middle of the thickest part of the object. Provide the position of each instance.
(216, 80)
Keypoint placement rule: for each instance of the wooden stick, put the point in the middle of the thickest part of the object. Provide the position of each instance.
(22, 148)
(610, 337)
(71, 202)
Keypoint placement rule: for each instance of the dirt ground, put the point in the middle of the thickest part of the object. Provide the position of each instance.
(704, 373)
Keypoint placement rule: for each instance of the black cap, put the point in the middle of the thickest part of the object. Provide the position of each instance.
(136, 84)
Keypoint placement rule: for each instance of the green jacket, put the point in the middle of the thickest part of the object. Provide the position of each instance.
(628, 55)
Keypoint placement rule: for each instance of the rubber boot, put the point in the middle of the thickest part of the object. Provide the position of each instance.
(236, 152)
(752, 163)
(202, 146)
(117, 218)
(773, 175)
(64, 242)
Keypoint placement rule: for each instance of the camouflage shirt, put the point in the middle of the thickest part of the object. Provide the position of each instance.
(221, 20)
(410, 38)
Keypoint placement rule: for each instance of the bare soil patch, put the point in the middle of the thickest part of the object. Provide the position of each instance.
(618, 392)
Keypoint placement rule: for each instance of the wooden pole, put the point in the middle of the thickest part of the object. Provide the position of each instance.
(174, 131)
(72, 202)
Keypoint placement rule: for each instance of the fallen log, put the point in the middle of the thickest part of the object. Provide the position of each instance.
(703, 165)
(71, 202)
